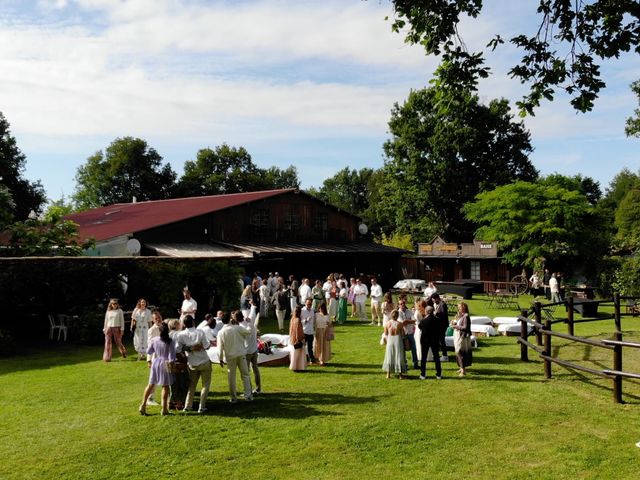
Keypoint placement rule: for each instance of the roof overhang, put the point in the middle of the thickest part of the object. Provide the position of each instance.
(196, 250)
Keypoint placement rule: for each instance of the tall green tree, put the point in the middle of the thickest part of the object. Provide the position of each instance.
(627, 219)
(564, 53)
(128, 168)
(445, 148)
(538, 220)
(226, 169)
(348, 189)
(18, 196)
(624, 181)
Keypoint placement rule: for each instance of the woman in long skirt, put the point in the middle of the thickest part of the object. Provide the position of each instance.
(322, 346)
(462, 338)
(141, 321)
(342, 302)
(296, 340)
(165, 352)
(395, 360)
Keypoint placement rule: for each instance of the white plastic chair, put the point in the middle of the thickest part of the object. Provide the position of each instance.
(60, 326)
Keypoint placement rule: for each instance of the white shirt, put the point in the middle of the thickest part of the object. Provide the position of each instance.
(304, 292)
(553, 285)
(376, 292)
(208, 332)
(251, 340)
(188, 338)
(326, 287)
(308, 318)
(114, 318)
(403, 315)
(231, 342)
(189, 307)
(429, 291)
(360, 291)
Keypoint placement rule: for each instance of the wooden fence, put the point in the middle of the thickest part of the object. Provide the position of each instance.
(544, 333)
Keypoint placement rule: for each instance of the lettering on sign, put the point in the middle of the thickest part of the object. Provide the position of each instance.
(486, 245)
(425, 248)
(449, 248)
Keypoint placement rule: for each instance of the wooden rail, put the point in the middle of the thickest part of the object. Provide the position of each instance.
(544, 334)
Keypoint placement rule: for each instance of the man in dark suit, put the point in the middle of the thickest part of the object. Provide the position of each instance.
(441, 311)
(430, 339)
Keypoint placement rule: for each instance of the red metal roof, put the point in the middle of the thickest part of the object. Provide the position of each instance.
(126, 218)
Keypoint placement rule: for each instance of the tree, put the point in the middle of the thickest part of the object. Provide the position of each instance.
(585, 185)
(128, 168)
(35, 237)
(225, 169)
(627, 219)
(564, 53)
(348, 189)
(537, 220)
(633, 123)
(445, 148)
(56, 210)
(18, 194)
(624, 181)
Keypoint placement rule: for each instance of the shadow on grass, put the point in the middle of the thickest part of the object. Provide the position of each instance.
(45, 355)
(290, 405)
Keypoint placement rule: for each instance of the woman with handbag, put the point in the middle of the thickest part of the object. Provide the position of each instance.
(321, 344)
(395, 360)
(162, 368)
(298, 356)
(461, 325)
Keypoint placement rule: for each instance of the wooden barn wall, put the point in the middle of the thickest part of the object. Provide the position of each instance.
(289, 218)
(447, 270)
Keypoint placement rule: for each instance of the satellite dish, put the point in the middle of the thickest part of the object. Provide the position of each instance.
(363, 229)
(133, 246)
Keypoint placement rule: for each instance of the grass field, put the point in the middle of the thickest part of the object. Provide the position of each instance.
(66, 414)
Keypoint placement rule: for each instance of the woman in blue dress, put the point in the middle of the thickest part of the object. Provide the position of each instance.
(165, 354)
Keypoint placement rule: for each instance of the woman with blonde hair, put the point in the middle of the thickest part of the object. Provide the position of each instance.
(462, 338)
(113, 329)
(141, 321)
(296, 340)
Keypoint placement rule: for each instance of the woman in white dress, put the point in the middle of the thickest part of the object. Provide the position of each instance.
(430, 290)
(141, 321)
(419, 312)
(395, 360)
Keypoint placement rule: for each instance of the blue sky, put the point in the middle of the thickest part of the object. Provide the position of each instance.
(303, 83)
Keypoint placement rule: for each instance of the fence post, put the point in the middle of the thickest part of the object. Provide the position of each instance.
(617, 350)
(547, 349)
(570, 314)
(537, 308)
(524, 350)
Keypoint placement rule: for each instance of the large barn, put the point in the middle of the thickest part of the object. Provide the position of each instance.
(288, 231)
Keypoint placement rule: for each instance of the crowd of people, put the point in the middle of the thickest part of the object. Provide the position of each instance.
(176, 350)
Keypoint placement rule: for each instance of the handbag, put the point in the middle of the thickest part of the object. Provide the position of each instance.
(298, 345)
(329, 334)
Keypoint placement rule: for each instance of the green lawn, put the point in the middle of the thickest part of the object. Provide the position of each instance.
(66, 414)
